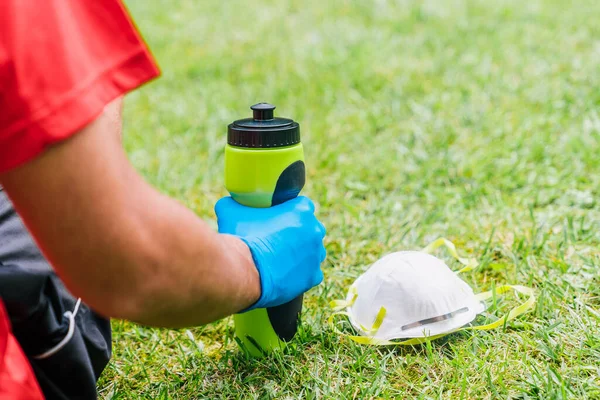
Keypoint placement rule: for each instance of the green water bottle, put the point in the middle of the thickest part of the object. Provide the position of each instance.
(264, 166)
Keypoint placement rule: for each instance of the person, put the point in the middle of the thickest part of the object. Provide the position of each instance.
(73, 201)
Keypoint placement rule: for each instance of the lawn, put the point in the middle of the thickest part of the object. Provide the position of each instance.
(474, 120)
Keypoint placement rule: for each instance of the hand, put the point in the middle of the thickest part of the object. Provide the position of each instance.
(286, 242)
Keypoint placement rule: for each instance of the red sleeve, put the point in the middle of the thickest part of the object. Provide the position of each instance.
(17, 381)
(61, 62)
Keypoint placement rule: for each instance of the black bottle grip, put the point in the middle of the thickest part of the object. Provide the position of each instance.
(285, 317)
(290, 183)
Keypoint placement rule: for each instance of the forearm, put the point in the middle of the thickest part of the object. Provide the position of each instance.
(114, 113)
(193, 275)
(128, 251)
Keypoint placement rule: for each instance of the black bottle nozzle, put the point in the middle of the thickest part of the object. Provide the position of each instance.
(262, 111)
(263, 130)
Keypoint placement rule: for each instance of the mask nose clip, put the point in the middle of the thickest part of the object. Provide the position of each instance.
(435, 319)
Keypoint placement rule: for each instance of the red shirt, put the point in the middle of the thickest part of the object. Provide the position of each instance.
(17, 381)
(61, 62)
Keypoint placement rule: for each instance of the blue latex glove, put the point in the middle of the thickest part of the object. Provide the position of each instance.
(286, 242)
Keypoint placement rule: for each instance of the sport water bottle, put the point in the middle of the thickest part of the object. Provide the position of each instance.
(264, 166)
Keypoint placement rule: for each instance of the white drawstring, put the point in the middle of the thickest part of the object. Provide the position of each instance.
(71, 316)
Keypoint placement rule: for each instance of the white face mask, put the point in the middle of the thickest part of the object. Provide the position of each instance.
(412, 294)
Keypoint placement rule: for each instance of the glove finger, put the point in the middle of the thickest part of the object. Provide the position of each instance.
(318, 278)
(323, 254)
(223, 204)
(304, 202)
(322, 229)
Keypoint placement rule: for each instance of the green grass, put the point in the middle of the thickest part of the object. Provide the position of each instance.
(474, 120)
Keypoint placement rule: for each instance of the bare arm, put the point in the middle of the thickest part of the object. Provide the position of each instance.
(127, 250)
(114, 113)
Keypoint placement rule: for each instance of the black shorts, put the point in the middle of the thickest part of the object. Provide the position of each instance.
(67, 352)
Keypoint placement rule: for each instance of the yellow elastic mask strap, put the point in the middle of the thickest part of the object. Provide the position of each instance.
(469, 263)
(341, 304)
(371, 331)
(512, 314)
(338, 305)
(521, 309)
(370, 340)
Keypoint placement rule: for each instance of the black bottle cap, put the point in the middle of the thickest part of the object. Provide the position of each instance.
(263, 130)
